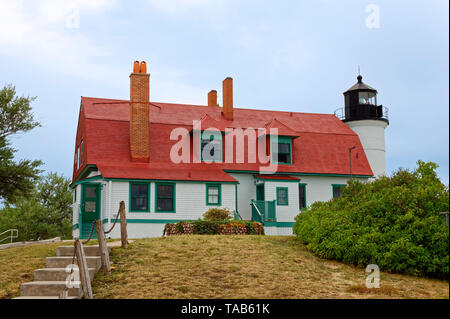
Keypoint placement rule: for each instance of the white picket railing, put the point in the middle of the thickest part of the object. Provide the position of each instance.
(14, 233)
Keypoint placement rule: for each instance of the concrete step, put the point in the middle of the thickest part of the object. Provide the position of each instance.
(64, 261)
(56, 274)
(45, 297)
(93, 250)
(46, 288)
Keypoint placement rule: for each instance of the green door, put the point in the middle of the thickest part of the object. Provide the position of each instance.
(90, 208)
(260, 192)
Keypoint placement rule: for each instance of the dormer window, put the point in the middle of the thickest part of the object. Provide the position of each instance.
(281, 150)
(211, 146)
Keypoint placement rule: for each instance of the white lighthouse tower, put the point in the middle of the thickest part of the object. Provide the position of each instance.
(369, 120)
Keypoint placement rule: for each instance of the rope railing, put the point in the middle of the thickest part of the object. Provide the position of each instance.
(114, 224)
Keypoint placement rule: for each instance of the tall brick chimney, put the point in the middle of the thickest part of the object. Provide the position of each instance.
(227, 92)
(212, 98)
(139, 112)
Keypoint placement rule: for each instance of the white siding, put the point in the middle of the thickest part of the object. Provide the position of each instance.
(246, 191)
(283, 213)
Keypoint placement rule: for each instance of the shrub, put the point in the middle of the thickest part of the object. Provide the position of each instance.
(393, 222)
(214, 227)
(217, 214)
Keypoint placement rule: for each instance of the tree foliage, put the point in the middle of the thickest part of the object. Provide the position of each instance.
(16, 178)
(45, 213)
(393, 222)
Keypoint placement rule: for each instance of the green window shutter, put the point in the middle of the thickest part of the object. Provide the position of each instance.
(165, 198)
(282, 196)
(139, 197)
(213, 194)
(302, 196)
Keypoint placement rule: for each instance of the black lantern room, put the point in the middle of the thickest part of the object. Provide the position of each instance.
(361, 104)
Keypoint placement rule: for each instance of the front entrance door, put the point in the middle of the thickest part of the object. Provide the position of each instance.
(90, 208)
(260, 192)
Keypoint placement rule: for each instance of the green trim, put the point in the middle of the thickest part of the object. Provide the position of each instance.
(173, 199)
(85, 172)
(87, 180)
(287, 196)
(278, 180)
(278, 224)
(280, 139)
(166, 181)
(104, 220)
(219, 187)
(300, 174)
(76, 226)
(130, 199)
(212, 133)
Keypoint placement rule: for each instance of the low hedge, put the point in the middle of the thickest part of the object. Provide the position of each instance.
(208, 227)
(393, 222)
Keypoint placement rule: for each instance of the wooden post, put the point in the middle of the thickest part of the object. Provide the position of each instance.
(104, 253)
(123, 225)
(84, 271)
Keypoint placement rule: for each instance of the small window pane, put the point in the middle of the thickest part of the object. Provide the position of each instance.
(302, 196)
(282, 196)
(164, 200)
(337, 192)
(89, 207)
(139, 197)
(90, 192)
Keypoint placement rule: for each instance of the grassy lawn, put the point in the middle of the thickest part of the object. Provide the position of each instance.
(17, 265)
(200, 266)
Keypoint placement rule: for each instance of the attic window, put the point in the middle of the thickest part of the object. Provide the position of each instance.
(81, 153)
(282, 150)
(211, 146)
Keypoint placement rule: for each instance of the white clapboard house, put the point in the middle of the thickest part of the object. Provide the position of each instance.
(171, 162)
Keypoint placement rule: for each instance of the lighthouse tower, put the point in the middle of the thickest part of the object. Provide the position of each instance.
(369, 120)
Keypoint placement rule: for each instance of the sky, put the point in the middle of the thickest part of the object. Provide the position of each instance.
(282, 55)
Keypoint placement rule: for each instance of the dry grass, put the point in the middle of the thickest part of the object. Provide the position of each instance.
(17, 265)
(194, 266)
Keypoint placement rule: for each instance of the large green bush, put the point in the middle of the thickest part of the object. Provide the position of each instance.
(393, 222)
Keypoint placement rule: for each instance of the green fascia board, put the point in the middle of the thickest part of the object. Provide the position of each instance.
(85, 172)
(153, 221)
(148, 197)
(278, 180)
(87, 180)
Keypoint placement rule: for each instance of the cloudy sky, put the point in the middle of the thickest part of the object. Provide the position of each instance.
(283, 55)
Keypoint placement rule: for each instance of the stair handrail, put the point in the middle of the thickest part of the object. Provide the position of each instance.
(257, 211)
(236, 214)
(14, 234)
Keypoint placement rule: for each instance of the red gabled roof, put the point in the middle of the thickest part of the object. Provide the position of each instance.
(321, 148)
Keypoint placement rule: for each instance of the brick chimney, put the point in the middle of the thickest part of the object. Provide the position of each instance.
(139, 112)
(227, 91)
(212, 98)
